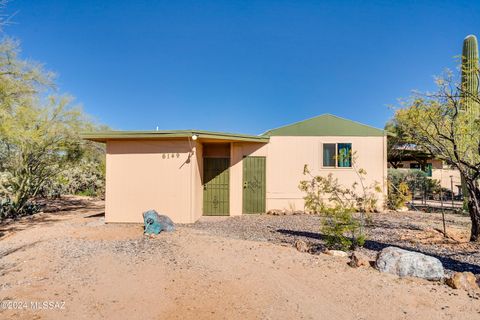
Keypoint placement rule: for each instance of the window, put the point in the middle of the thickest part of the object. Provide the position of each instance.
(337, 155)
(415, 165)
(427, 167)
(329, 154)
(344, 152)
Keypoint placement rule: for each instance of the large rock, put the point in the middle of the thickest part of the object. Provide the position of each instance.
(408, 263)
(463, 280)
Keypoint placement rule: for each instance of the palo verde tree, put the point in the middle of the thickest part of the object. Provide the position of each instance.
(439, 124)
(37, 143)
(39, 132)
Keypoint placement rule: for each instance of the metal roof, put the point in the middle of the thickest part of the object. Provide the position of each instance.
(323, 125)
(103, 136)
(326, 125)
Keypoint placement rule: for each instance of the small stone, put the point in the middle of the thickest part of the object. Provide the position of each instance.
(302, 246)
(275, 212)
(463, 280)
(358, 260)
(337, 253)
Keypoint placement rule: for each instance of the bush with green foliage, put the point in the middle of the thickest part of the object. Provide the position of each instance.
(344, 209)
(399, 192)
(398, 195)
(402, 183)
(86, 178)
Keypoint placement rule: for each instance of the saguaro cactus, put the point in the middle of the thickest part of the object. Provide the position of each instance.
(470, 72)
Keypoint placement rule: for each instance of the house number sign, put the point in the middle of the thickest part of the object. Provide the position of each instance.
(170, 155)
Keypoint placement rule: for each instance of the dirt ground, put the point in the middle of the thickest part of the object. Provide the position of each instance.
(87, 269)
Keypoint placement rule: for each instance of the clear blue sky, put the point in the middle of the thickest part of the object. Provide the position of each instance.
(241, 66)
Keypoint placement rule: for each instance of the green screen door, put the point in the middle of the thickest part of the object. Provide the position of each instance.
(254, 189)
(216, 190)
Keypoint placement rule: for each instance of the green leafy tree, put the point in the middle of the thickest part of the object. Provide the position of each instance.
(21, 81)
(37, 144)
(39, 135)
(439, 125)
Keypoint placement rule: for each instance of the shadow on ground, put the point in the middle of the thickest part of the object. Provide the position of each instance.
(448, 262)
(52, 211)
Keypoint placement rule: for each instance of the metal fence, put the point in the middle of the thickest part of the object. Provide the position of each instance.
(445, 194)
(431, 191)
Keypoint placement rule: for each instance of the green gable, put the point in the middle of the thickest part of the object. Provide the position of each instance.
(326, 125)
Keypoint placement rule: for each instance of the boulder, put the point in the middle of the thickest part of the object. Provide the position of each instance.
(408, 263)
(358, 259)
(336, 253)
(463, 280)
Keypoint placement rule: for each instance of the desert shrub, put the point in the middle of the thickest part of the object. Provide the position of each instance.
(344, 209)
(398, 195)
(398, 188)
(87, 178)
(402, 183)
(342, 229)
(8, 209)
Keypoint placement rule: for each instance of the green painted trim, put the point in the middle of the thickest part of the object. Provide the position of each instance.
(326, 125)
(103, 136)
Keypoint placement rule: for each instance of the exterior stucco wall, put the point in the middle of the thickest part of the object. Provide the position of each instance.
(287, 157)
(148, 174)
(197, 169)
(145, 174)
(446, 177)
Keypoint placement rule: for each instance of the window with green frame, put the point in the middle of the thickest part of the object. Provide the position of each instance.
(427, 167)
(337, 155)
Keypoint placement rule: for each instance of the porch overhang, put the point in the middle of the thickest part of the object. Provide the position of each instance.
(205, 136)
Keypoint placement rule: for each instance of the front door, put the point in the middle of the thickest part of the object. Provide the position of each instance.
(254, 190)
(216, 190)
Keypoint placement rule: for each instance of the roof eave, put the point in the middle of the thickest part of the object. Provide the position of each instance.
(143, 135)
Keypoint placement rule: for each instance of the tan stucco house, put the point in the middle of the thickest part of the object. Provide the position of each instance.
(189, 173)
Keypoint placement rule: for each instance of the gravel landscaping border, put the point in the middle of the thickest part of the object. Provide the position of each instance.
(386, 229)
